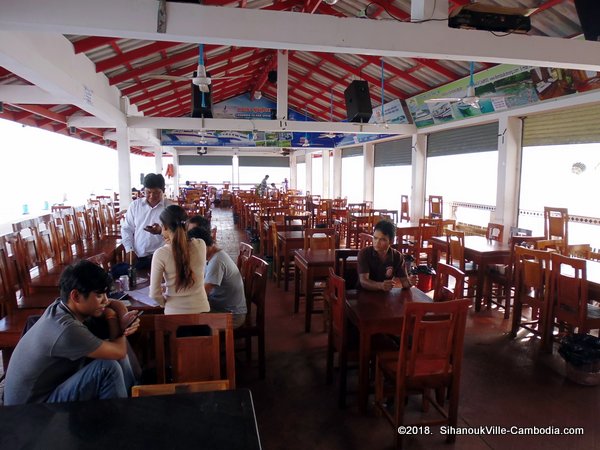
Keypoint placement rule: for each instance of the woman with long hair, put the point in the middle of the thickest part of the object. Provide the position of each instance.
(180, 264)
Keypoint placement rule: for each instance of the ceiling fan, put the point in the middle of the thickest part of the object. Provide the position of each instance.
(469, 99)
(200, 77)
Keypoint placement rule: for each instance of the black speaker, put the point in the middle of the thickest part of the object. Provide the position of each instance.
(358, 101)
(272, 76)
(589, 17)
(197, 109)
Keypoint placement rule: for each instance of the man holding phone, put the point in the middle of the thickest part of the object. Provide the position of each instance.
(60, 359)
(141, 230)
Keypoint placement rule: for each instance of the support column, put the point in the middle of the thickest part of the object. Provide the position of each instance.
(419, 174)
(509, 173)
(308, 158)
(235, 171)
(337, 173)
(282, 84)
(293, 172)
(369, 171)
(158, 160)
(124, 167)
(326, 162)
(176, 172)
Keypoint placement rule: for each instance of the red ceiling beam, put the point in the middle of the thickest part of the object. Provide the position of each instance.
(549, 4)
(396, 71)
(165, 99)
(128, 57)
(436, 67)
(90, 43)
(187, 70)
(271, 64)
(302, 86)
(381, 6)
(172, 86)
(324, 8)
(310, 6)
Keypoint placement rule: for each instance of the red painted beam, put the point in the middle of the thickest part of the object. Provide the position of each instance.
(381, 6)
(271, 63)
(90, 43)
(398, 72)
(310, 6)
(549, 4)
(172, 86)
(128, 57)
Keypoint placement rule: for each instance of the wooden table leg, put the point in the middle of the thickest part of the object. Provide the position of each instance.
(297, 280)
(286, 267)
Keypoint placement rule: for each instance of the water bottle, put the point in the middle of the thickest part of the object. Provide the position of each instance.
(132, 276)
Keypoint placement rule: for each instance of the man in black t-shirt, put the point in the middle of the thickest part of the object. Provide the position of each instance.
(380, 267)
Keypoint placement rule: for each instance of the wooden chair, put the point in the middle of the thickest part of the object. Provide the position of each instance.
(8, 299)
(494, 232)
(179, 388)
(255, 317)
(346, 266)
(592, 255)
(430, 358)
(404, 210)
(293, 222)
(436, 206)
(579, 250)
(337, 340)
(455, 256)
(194, 358)
(319, 239)
(569, 293)
(532, 283)
(556, 225)
(449, 283)
(406, 240)
(244, 254)
(365, 240)
(424, 248)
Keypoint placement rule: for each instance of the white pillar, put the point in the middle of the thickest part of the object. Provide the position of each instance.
(337, 173)
(282, 84)
(124, 161)
(293, 172)
(235, 171)
(308, 159)
(509, 172)
(419, 173)
(158, 160)
(369, 171)
(326, 162)
(176, 172)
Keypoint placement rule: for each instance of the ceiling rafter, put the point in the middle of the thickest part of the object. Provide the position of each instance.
(396, 71)
(90, 43)
(128, 57)
(270, 61)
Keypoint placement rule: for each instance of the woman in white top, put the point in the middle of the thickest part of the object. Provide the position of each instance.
(180, 263)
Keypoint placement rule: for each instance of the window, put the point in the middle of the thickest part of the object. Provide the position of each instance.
(317, 174)
(301, 177)
(393, 173)
(352, 174)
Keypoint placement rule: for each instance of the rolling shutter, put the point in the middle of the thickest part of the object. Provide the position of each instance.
(480, 138)
(264, 161)
(352, 151)
(579, 125)
(394, 153)
(204, 160)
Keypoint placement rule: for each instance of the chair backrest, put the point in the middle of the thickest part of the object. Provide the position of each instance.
(179, 388)
(244, 254)
(436, 206)
(569, 289)
(556, 223)
(449, 283)
(431, 345)
(194, 358)
(456, 249)
(592, 255)
(365, 240)
(339, 202)
(516, 231)
(357, 207)
(8, 300)
(404, 209)
(494, 232)
(256, 292)
(336, 294)
(319, 239)
(532, 273)
(346, 266)
(579, 250)
(432, 222)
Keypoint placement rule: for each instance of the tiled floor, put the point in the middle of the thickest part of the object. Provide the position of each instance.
(504, 383)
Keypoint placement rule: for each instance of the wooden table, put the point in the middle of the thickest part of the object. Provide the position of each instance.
(211, 420)
(374, 312)
(288, 242)
(482, 252)
(310, 265)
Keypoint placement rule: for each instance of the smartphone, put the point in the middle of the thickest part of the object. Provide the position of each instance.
(137, 315)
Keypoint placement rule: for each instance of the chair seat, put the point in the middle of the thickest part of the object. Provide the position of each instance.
(593, 312)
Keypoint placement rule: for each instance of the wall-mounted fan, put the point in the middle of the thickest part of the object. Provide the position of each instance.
(200, 77)
(468, 99)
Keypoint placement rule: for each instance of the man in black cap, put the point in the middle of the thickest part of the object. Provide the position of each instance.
(141, 230)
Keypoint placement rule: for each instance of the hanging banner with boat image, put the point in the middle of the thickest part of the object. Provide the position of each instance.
(499, 88)
(242, 107)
